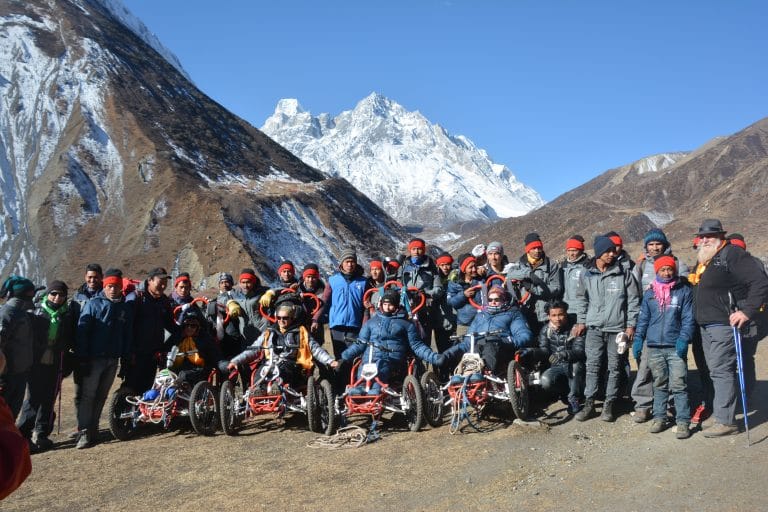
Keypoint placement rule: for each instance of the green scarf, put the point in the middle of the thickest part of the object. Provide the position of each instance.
(53, 326)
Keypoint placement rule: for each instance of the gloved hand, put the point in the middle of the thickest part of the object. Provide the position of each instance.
(637, 348)
(681, 347)
(524, 354)
(478, 250)
(267, 298)
(439, 360)
(233, 309)
(185, 307)
(556, 358)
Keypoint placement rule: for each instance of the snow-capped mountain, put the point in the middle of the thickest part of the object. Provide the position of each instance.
(415, 170)
(126, 17)
(109, 154)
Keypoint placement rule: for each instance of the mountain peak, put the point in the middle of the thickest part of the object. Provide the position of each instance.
(417, 171)
(289, 107)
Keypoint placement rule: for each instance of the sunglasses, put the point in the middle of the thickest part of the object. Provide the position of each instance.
(285, 318)
(57, 294)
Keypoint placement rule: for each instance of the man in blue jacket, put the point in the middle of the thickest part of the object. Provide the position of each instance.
(343, 301)
(104, 335)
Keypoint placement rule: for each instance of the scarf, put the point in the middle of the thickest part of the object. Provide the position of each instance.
(533, 262)
(662, 291)
(55, 315)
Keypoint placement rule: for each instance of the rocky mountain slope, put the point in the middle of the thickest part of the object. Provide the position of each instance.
(726, 178)
(108, 153)
(418, 172)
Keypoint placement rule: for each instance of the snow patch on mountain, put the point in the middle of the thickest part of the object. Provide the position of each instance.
(658, 162)
(416, 171)
(124, 16)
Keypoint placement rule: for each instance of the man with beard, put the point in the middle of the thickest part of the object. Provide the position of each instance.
(724, 271)
(611, 305)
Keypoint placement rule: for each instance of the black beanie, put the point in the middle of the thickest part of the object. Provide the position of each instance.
(58, 286)
(532, 237)
(391, 296)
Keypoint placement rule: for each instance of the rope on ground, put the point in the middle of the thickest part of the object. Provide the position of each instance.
(346, 437)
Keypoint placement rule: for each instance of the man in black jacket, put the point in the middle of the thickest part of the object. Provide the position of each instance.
(154, 316)
(724, 271)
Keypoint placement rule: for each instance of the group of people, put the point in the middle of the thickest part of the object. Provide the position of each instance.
(575, 320)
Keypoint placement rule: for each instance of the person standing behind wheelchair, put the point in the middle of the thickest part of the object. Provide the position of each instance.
(541, 276)
(419, 271)
(502, 316)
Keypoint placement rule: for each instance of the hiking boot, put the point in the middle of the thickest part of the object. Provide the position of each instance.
(657, 425)
(720, 430)
(83, 440)
(573, 406)
(607, 414)
(42, 442)
(700, 414)
(587, 412)
(683, 431)
(641, 415)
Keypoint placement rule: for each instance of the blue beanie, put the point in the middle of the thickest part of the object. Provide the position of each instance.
(656, 235)
(602, 245)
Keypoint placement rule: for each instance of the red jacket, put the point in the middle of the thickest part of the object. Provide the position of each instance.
(15, 464)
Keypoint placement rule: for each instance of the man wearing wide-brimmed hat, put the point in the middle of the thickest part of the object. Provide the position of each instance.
(724, 270)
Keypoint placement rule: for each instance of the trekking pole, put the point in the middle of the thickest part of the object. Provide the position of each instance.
(740, 367)
(59, 379)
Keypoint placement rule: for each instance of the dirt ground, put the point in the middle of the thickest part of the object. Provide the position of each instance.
(560, 465)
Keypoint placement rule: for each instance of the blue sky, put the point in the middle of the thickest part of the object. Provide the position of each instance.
(559, 91)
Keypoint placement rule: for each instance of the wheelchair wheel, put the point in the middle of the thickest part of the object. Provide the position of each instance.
(228, 408)
(121, 415)
(313, 408)
(414, 401)
(321, 413)
(433, 404)
(204, 409)
(517, 380)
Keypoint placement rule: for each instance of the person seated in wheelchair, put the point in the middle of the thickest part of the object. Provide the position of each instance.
(197, 353)
(562, 355)
(289, 345)
(392, 338)
(510, 333)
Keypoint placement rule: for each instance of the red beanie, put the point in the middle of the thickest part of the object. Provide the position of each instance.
(444, 259)
(287, 265)
(573, 243)
(181, 278)
(616, 239)
(416, 242)
(377, 264)
(664, 261)
(465, 263)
